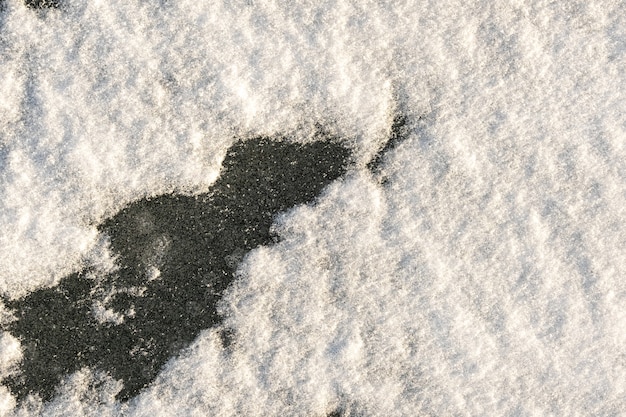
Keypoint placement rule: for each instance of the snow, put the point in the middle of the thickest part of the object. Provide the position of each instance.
(478, 273)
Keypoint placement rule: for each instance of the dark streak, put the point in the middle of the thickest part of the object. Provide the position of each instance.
(398, 133)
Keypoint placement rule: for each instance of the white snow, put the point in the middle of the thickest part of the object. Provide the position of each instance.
(10, 352)
(485, 278)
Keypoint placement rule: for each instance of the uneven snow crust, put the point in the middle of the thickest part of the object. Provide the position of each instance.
(480, 272)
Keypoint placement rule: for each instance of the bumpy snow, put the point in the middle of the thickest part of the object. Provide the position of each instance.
(480, 272)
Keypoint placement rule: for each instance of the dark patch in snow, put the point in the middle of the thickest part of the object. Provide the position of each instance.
(194, 242)
(176, 255)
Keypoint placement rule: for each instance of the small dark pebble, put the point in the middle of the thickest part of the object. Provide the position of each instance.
(42, 4)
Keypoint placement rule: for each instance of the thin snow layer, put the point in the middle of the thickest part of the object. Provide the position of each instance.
(483, 278)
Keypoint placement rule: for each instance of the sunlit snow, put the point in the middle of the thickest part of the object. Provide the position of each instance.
(478, 271)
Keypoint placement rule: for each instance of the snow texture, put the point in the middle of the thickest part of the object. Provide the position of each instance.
(477, 271)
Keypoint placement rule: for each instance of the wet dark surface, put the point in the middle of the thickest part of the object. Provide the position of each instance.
(176, 255)
(195, 244)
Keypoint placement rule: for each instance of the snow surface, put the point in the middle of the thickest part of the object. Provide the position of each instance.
(484, 278)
